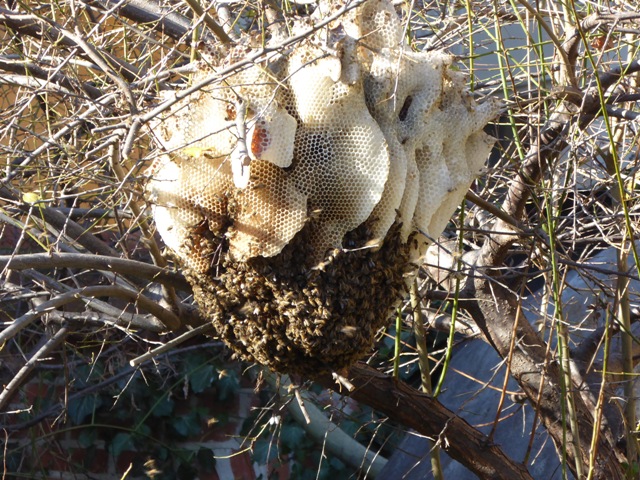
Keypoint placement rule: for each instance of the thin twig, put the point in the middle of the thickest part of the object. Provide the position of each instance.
(303, 409)
(217, 30)
(151, 12)
(154, 249)
(171, 344)
(40, 352)
(98, 106)
(240, 160)
(41, 27)
(423, 361)
(327, 433)
(248, 60)
(167, 317)
(342, 381)
(29, 68)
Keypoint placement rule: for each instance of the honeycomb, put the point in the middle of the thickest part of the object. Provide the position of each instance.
(299, 191)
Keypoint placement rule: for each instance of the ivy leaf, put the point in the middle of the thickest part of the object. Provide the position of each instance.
(121, 442)
(201, 378)
(79, 409)
(187, 425)
(85, 374)
(143, 430)
(327, 469)
(87, 437)
(163, 407)
(264, 448)
(228, 384)
(292, 436)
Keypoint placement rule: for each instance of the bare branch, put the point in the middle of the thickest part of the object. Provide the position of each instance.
(428, 417)
(150, 12)
(40, 27)
(25, 67)
(171, 344)
(217, 30)
(40, 351)
(169, 319)
(98, 262)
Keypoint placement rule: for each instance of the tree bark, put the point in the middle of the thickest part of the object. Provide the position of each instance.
(539, 377)
(494, 307)
(427, 416)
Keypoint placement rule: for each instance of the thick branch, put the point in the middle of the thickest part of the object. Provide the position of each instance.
(209, 22)
(495, 310)
(98, 262)
(77, 232)
(496, 314)
(32, 70)
(429, 417)
(160, 18)
(26, 24)
(168, 318)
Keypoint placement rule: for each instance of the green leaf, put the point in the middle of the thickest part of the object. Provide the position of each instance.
(85, 374)
(263, 448)
(79, 409)
(201, 378)
(193, 361)
(228, 384)
(187, 425)
(121, 442)
(292, 436)
(206, 460)
(163, 406)
(144, 430)
(161, 453)
(87, 437)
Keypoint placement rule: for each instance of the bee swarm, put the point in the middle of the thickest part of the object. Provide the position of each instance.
(299, 193)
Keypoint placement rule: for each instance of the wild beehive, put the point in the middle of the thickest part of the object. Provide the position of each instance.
(299, 191)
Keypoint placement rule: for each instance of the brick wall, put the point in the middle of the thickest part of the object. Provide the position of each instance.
(55, 449)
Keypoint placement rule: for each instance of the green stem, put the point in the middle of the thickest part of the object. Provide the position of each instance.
(593, 452)
(622, 294)
(423, 362)
(396, 355)
(454, 310)
(563, 347)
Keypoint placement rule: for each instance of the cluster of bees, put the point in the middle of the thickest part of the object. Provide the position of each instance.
(294, 318)
(299, 192)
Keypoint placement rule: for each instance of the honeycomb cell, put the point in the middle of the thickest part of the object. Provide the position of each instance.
(353, 141)
(268, 213)
(272, 136)
(380, 25)
(387, 211)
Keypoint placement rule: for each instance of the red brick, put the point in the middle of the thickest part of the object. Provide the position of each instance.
(39, 390)
(99, 458)
(242, 466)
(125, 459)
